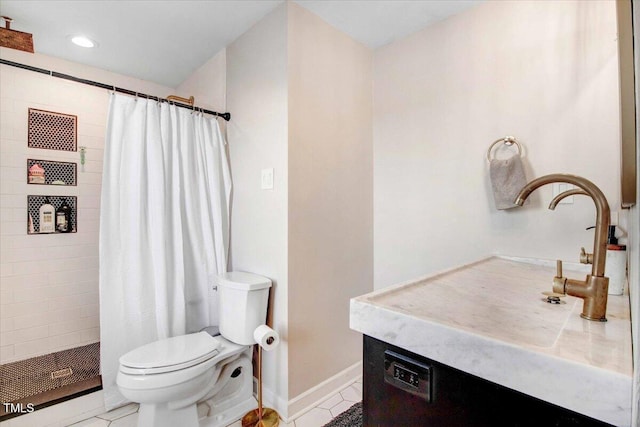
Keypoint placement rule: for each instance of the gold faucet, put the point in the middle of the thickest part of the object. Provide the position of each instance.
(585, 258)
(593, 290)
(572, 192)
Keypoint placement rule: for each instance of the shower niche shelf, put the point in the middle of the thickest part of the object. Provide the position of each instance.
(52, 131)
(52, 172)
(33, 212)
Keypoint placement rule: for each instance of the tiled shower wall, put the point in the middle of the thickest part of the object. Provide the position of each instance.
(49, 283)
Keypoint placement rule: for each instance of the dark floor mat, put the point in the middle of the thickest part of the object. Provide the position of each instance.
(352, 417)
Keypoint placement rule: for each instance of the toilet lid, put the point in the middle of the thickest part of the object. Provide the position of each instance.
(171, 354)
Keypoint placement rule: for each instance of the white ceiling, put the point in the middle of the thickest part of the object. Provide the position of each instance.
(376, 23)
(164, 41)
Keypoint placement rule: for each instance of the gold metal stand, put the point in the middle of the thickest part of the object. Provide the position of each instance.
(261, 417)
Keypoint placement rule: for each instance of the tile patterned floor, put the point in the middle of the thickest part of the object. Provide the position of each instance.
(127, 416)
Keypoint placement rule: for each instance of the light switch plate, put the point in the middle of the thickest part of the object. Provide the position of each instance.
(267, 179)
(561, 187)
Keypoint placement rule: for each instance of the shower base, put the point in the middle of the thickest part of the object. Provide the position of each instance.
(31, 384)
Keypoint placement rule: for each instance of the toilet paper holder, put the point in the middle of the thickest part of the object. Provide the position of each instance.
(262, 417)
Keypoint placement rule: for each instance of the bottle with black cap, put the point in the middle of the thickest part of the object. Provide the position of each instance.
(63, 218)
(616, 264)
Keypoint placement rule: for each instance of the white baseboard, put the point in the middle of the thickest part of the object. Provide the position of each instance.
(271, 400)
(311, 398)
(316, 395)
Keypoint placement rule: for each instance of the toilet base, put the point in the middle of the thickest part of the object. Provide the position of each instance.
(159, 415)
(230, 415)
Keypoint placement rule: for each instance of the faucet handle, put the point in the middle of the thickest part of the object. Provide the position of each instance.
(585, 258)
(559, 282)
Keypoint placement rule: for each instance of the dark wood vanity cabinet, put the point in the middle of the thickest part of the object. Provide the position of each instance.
(420, 392)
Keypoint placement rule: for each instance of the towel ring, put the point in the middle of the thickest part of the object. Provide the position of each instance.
(507, 140)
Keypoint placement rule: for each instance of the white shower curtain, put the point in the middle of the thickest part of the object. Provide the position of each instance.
(164, 222)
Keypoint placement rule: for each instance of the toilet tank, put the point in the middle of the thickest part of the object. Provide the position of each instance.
(242, 301)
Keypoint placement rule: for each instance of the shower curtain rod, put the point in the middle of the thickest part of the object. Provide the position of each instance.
(226, 116)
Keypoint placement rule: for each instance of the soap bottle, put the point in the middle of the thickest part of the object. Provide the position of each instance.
(47, 217)
(616, 263)
(63, 217)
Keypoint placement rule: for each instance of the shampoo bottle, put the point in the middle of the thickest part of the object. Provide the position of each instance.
(47, 217)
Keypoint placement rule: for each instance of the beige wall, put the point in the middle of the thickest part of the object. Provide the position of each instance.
(300, 96)
(208, 84)
(330, 196)
(49, 283)
(545, 72)
(257, 135)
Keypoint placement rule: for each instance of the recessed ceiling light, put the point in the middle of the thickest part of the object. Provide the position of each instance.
(83, 41)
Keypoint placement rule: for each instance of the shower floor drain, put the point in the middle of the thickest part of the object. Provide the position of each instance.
(66, 372)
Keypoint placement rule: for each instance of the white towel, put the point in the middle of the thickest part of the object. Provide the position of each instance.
(507, 179)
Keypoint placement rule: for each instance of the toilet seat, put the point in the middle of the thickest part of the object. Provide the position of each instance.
(144, 379)
(170, 354)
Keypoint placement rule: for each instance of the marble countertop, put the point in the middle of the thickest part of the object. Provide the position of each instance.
(490, 319)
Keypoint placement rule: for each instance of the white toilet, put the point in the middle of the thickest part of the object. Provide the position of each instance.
(198, 379)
